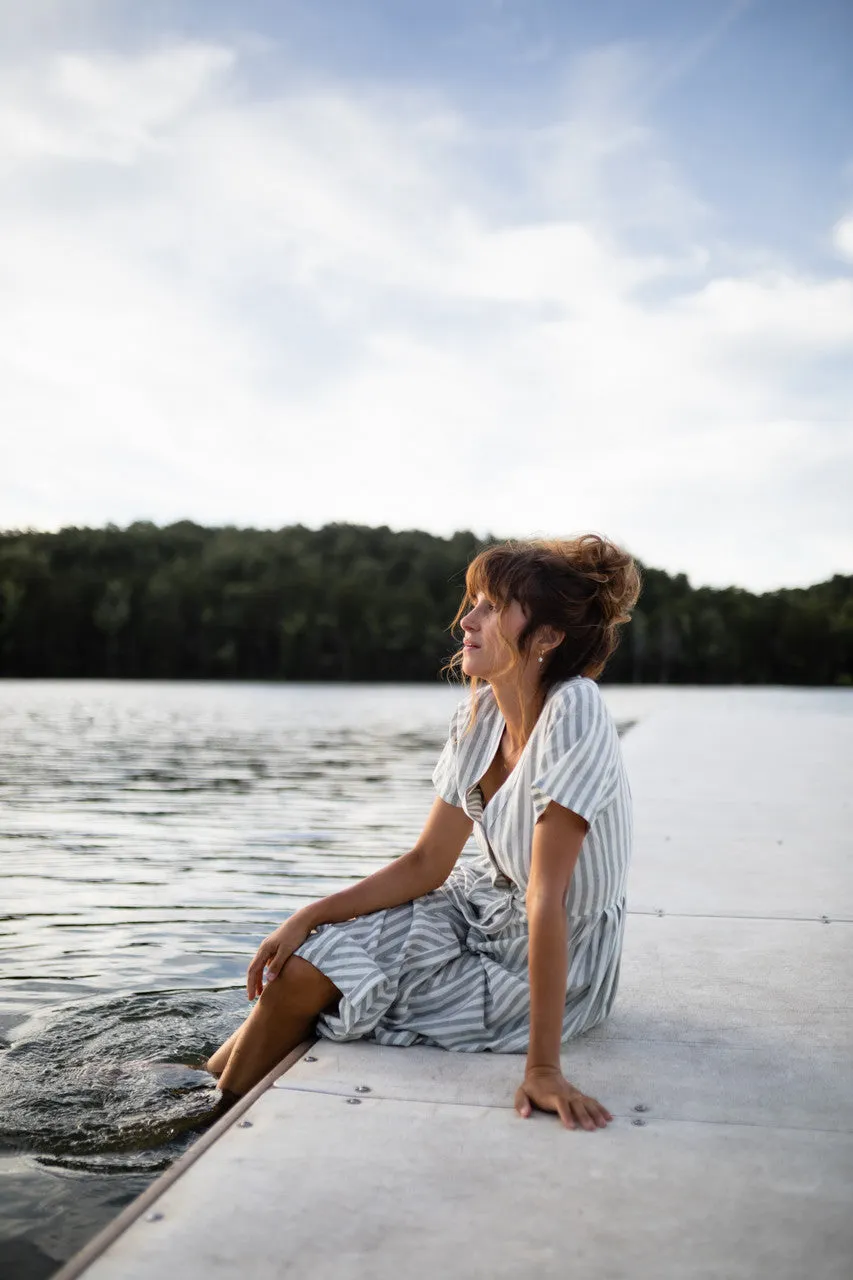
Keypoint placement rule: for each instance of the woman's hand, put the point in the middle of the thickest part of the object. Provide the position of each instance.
(275, 950)
(549, 1090)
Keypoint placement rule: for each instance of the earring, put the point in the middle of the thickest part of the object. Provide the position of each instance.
(541, 658)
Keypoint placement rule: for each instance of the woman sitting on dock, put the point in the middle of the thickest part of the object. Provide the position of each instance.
(515, 950)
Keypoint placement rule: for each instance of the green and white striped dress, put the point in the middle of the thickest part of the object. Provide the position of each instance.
(450, 969)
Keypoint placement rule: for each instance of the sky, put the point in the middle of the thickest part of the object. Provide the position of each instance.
(525, 267)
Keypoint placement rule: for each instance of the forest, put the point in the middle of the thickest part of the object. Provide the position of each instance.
(353, 603)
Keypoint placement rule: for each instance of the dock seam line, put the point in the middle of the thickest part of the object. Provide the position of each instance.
(489, 1106)
(722, 915)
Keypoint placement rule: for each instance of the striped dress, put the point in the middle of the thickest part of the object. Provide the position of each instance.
(450, 969)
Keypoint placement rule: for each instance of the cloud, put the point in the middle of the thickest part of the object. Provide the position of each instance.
(326, 302)
(109, 109)
(843, 237)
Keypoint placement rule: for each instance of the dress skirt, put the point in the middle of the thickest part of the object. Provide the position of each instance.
(450, 969)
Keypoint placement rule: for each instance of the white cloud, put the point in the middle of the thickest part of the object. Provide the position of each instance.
(843, 237)
(108, 109)
(318, 304)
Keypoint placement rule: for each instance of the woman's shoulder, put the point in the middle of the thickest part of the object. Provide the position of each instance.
(577, 691)
(577, 706)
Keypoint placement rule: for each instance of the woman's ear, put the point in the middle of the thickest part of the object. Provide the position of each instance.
(549, 638)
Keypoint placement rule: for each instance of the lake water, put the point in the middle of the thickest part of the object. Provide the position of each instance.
(150, 836)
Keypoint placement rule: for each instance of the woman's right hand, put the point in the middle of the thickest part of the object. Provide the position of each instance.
(276, 949)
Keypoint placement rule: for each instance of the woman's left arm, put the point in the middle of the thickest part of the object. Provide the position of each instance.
(557, 840)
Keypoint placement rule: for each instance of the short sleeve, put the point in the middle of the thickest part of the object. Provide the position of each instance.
(578, 757)
(445, 775)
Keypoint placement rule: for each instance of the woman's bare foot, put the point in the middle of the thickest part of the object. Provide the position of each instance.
(226, 1101)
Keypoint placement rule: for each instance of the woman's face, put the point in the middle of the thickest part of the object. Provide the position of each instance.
(483, 654)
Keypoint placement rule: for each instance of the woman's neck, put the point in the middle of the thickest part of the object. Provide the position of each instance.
(519, 705)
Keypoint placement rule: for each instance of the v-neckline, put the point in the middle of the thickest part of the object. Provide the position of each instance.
(500, 724)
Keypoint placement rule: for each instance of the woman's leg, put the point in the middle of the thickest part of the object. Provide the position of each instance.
(216, 1062)
(282, 1018)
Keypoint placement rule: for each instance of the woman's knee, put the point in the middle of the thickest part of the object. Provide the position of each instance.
(301, 987)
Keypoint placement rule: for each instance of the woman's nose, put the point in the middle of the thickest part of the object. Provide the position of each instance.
(468, 623)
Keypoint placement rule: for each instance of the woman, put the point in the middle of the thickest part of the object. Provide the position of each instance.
(517, 950)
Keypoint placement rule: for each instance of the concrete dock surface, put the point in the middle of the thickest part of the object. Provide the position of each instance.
(727, 1064)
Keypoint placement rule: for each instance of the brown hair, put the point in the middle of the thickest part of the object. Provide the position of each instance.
(584, 586)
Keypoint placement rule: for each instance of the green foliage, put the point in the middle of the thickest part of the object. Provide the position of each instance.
(348, 602)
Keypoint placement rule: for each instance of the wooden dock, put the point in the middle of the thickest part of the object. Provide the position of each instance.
(727, 1064)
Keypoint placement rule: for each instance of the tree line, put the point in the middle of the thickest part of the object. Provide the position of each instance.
(349, 602)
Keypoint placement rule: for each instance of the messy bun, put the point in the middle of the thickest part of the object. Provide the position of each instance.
(584, 586)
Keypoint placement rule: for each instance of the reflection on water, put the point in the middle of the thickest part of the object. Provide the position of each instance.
(151, 834)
